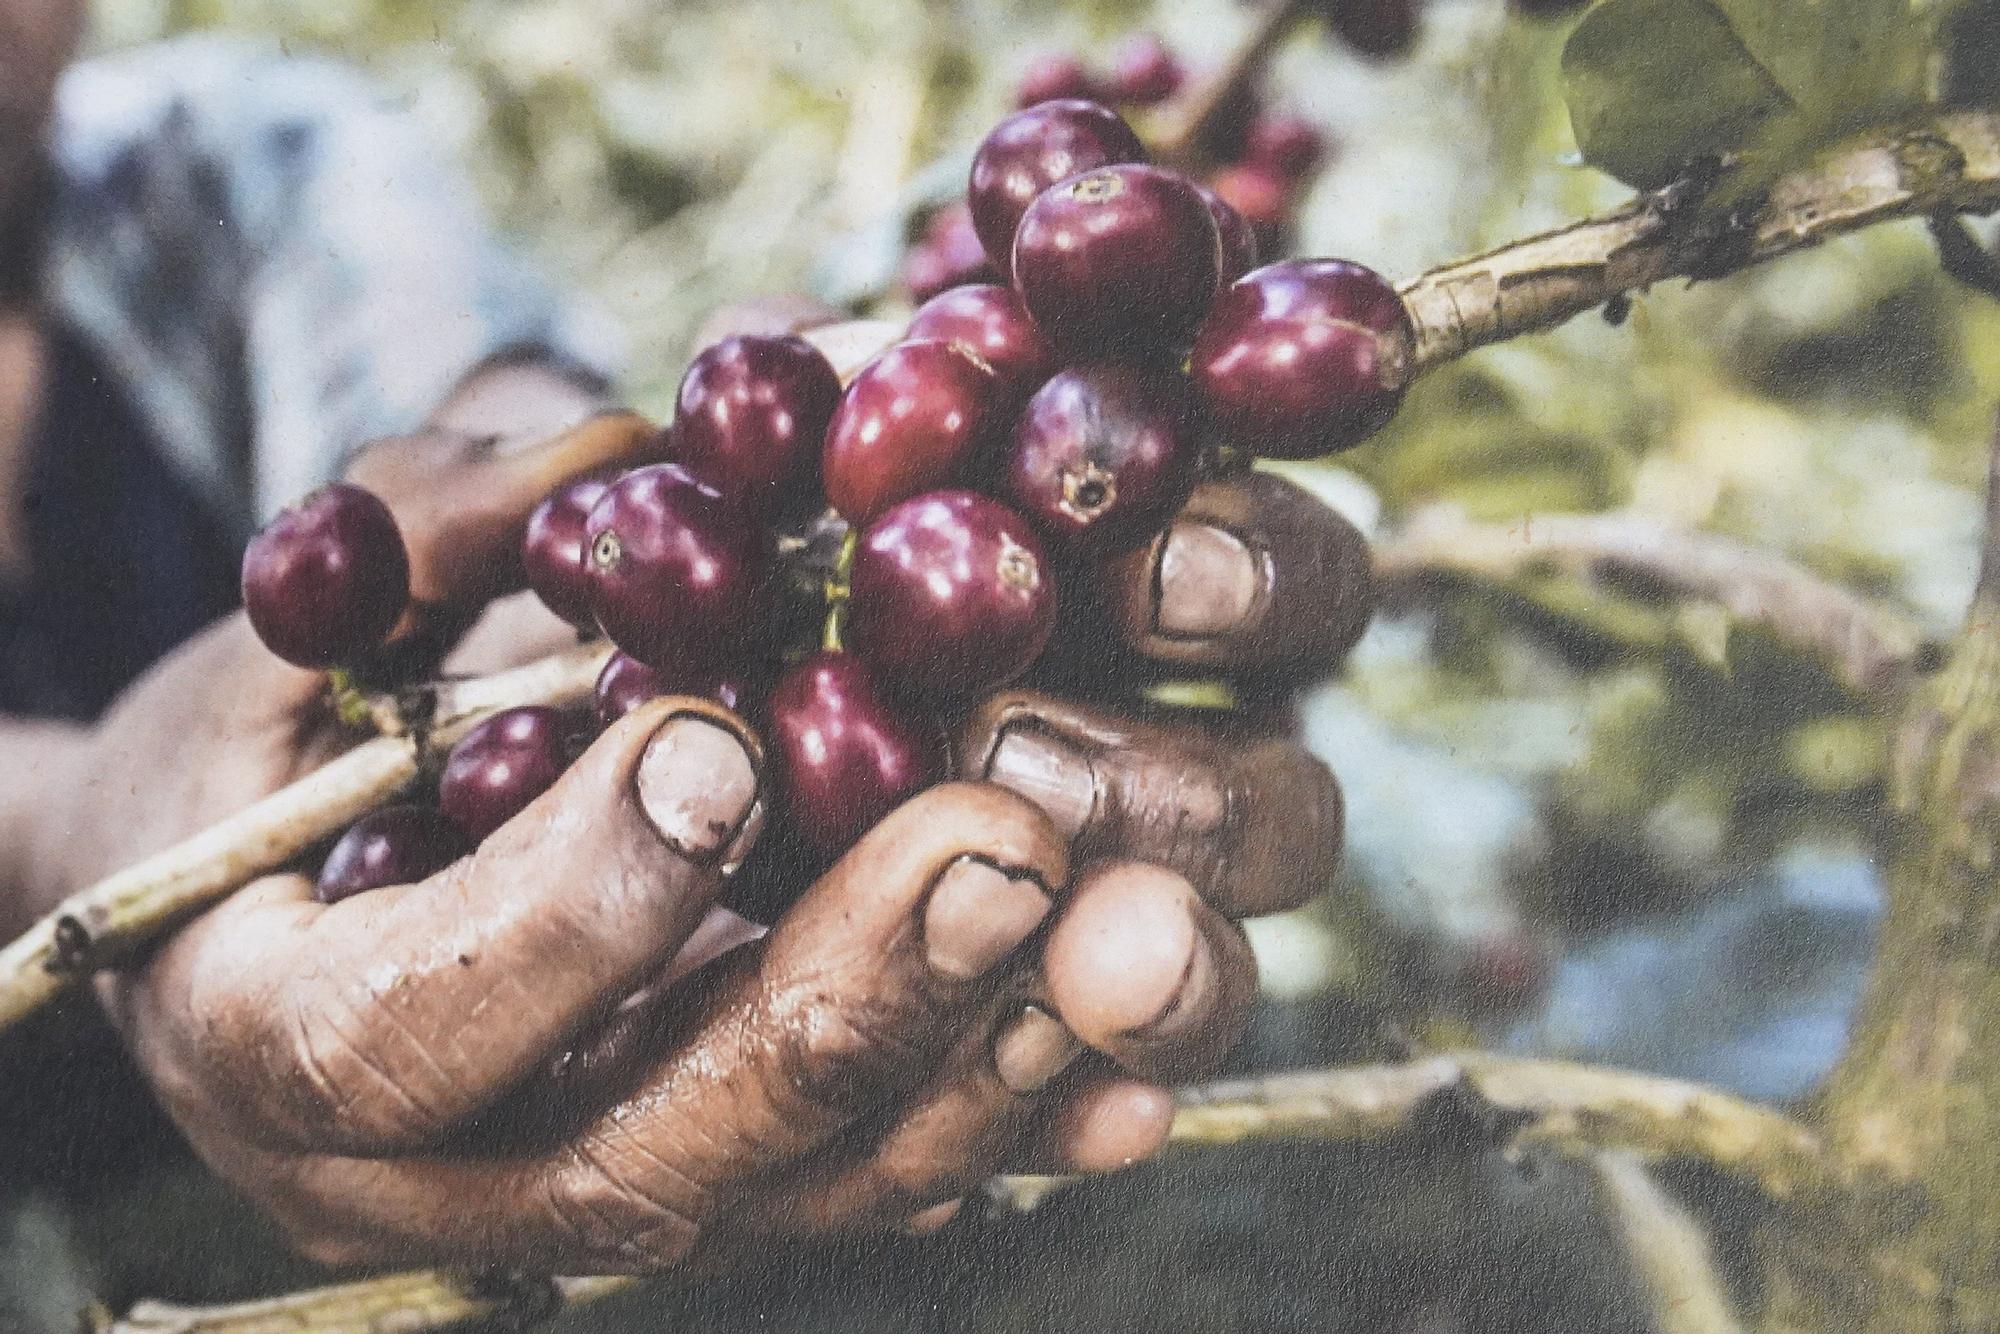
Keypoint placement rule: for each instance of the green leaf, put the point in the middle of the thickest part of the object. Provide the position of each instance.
(1655, 84)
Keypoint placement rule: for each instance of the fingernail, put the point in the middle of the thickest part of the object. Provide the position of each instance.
(1032, 1050)
(698, 785)
(1048, 771)
(1191, 1000)
(977, 915)
(1208, 584)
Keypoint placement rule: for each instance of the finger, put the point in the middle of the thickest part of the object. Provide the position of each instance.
(383, 1020)
(1257, 826)
(1254, 575)
(1141, 969)
(462, 500)
(1106, 1124)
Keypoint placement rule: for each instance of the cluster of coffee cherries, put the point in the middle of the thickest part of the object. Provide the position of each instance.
(1260, 158)
(1016, 438)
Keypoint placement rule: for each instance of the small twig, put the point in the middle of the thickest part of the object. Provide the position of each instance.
(1949, 166)
(99, 924)
(1964, 258)
(1669, 1249)
(1870, 647)
(1573, 1107)
(1196, 118)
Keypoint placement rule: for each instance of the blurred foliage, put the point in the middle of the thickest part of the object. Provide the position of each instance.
(1833, 407)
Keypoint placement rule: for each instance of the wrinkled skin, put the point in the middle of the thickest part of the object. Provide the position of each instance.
(559, 1055)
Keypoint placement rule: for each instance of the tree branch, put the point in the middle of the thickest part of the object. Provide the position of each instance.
(394, 1304)
(1950, 166)
(98, 924)
(1870, 648)
(1669, 1249)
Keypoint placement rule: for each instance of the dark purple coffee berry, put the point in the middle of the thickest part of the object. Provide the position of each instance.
(1118, 262)
(1286, 143)
(1103, 456)
(1239, 238)
(502, 765)
(626, 683)
(327, 580)
(1145, 72)
(992, 322)
(1030, 151)
(552, 549)
(676, 571)
(847, 756)
(751, 415)
(911, 421)
(951, 594)
(1303, 358)
(1051, 76)
(397, 845)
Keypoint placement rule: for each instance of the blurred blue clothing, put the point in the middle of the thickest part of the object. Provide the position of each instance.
(252, 265)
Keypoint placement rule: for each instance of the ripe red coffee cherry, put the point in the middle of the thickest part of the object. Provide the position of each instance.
(911, 421)
(1144, 72)
(1030, 151)
(552, 549)
(847, 756)
(951, 593)
(948, 255)
(1121, 262)
(1239, 238)
(1287, 143)
(1103, 456)
(751, 416)
(397, 845)
(1053, 75)
(502, 765)
(1303, 358)
(675, 570)
(327, 579)
(1262, 198)
(992, 322)
(626, 683)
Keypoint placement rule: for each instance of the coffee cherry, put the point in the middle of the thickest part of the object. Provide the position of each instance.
(847, 756)
(1052, 76)
(1103, 456)
(552, 549)
(1030, 151)
(502, 765)
(751, 416)
(397, 845)
(950, 593)
(675, 570)
(1286, 143)
(949, 255)
(1144, 72)
(327, 579)
(992, 322)
(626, 683)
(1303, 358)
(1380, 29)
(1122, 261)
(1239, 239)
(1262, 198)
(911, 421)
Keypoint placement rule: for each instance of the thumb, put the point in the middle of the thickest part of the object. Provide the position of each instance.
(463, 501)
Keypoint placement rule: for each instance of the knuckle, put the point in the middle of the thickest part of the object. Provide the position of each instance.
(603, 1220)
(339, 1083)
(832, 1061)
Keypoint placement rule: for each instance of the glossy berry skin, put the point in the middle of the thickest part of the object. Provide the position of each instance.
(502, 765)
(1103, 456)
(552, 549)
(990, 320)
(626, 683)
(397, 845)
(1303, 358)
(1144, 72)
(847, 756)
(751, 414)
(948, 255)
(1286, 143)
(675, 569)
(1118, 262)
(1261, 197)
(1239, 238)
(951, 594)
(911, 421)
(326, 580)
(1052, 76)
(1033, 149)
